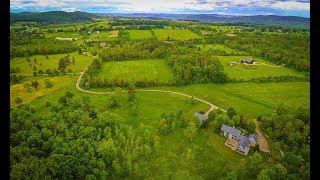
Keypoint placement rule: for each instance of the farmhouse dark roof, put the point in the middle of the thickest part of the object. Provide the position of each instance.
(202, 117)
(254, 136)
(230, 130)
(244, 142)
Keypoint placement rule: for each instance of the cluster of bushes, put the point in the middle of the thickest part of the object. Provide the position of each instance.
(217, 118)
(15, 70)
(132, 99)
(190, 66)
(104, 82)
(290, 131)
(138, 50)
(15, 79)
(282, 78)
(34, 85)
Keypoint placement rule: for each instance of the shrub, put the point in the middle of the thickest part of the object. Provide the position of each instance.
(48, 83)
(18, 100)
(47, 103)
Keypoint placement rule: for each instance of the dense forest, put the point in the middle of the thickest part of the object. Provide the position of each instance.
(291, 132)
(27, 44)
(75, 141)
(191, 66)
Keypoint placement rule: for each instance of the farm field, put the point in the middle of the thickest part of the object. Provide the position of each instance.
(140, 34)
(246, 72)
(175, 34)
(81, 61)
(155, 69)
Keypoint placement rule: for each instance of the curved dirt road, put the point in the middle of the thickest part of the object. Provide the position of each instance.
(212, 106)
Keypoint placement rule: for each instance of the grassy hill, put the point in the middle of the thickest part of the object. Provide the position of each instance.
(52, 17)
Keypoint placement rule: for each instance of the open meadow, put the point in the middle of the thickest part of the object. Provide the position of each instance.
(162, 34)
(150, 69)
(140, 34)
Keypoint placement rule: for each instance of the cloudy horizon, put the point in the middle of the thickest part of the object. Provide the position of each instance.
(223, 7)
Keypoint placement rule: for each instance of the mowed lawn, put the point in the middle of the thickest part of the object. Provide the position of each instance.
(246, 72)
(163, 34)
(155, 69)
(81, 62)
(140, 34)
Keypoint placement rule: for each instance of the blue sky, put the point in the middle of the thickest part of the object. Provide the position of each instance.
(227, 7)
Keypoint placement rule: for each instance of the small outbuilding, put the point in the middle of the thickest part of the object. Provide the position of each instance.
(247, 60)
(201, 117)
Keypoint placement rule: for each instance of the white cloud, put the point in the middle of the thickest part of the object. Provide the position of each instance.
(292, 6)
(164, 5)
(69, 9)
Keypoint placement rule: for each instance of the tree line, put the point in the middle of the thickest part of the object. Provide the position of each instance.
(30, 44)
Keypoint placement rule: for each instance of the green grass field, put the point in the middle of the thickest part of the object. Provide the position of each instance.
(162, 34)
(246, 72)
(138, 70)
(81, 62)
(252, 98)
(140, 34)
(248, 98)
(227, 29)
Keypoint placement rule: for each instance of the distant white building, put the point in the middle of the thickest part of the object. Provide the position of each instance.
(65, 39)
(103, 44)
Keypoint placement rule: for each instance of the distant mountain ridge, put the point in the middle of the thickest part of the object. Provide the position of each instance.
(256, 19)
(52, 17)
